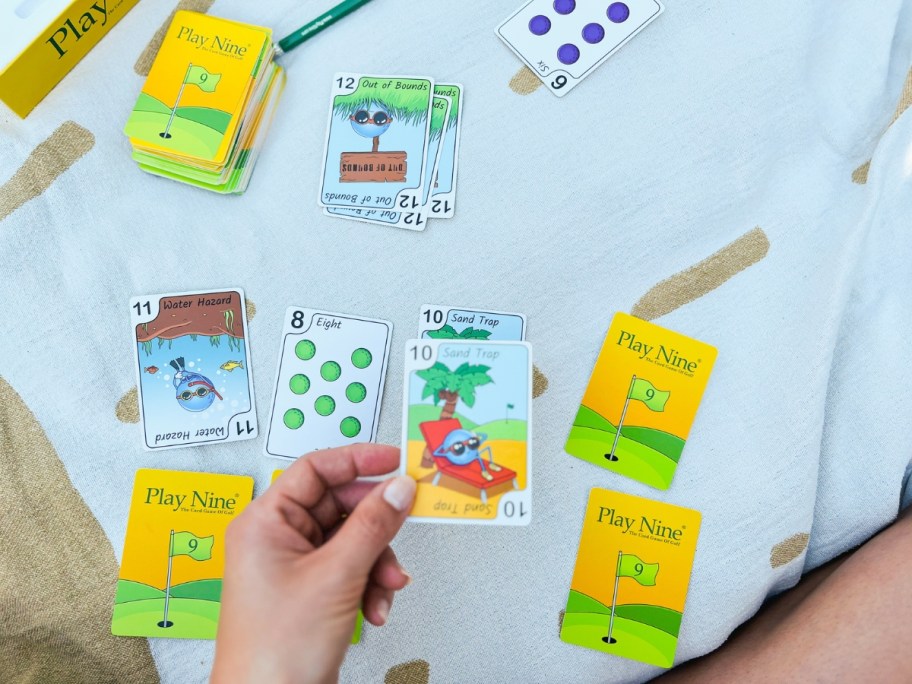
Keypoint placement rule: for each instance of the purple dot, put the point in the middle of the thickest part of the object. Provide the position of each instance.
(593, 33)
(539, 25)
(618, 12)
(568, 53)
(564, 6)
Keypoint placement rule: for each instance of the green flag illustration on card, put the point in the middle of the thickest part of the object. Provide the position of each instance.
(645, 391)
(188, 544)
(198, 76)
(631, 566)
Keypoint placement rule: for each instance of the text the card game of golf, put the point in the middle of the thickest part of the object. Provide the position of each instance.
(329, 381)
(563, 41)
(193, 368)
(631, 577)
(467, 431)
(641, 400)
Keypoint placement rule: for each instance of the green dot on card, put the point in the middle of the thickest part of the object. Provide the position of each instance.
(305, 350)
(324, 405)
(350, 426)
(330, 371)
(361, 358)
(356, 392)
(294, 418)
(299, 383)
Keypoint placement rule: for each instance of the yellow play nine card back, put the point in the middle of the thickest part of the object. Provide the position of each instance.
(170, 580)
(649, 381)
(631, 576)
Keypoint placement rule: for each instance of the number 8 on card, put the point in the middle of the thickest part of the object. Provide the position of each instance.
(467, 429)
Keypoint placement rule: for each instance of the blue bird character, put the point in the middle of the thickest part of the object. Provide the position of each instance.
(460, 447)
(369, 125)
(195, 392)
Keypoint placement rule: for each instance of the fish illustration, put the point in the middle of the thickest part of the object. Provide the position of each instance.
(231, 365)
(195, 392)
(151, 370)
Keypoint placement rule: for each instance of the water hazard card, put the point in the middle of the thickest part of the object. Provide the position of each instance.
(193, 368)
(376, 142)
(329, 381)
(641, 400)
(630, 581)
(451, 323)
(170, 581)
(563, 41)
(467, 429)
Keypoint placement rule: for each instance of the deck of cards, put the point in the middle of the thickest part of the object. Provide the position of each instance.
(204, 111)
(563, 42)
(392, 146)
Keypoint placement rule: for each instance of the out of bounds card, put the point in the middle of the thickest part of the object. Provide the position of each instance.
(630, 581)
(193, 368)
(329, 381)
(467, 430)
(563, 41)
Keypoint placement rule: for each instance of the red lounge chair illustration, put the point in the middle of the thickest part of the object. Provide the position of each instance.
(464, 478)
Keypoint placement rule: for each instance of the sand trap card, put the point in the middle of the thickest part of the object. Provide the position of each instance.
(193, 368)
(376, 142)
(329, 381)
(641, 400)
(466, 431)
(170, 581)
(631, 577)
(563, 41)
(450, 323)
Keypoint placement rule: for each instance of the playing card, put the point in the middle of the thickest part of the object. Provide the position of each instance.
(467, 429)
(443, 192)
(376, 142)
(450, 323)
(416, 218)
(630, 581)
(170, 580)
(649, 380)
(564, 41)
(193, 368)
(329, 381)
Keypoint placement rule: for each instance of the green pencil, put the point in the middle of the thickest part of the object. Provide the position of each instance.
(325, 20)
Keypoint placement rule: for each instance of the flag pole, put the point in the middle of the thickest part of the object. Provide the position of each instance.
(164, 623)
(180, 92)
(617, 436)
(617, 578)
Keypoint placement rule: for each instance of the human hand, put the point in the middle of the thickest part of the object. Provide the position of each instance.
(302, 558)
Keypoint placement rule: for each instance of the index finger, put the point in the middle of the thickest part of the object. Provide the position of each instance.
(311, 476)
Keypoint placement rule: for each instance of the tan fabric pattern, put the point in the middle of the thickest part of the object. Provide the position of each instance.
(251, 310)
(560, 621)
(702, 278)
(412, 672)
(57, 569)
(127, 410)
(147, 56)
(789, 549)
(525, 82)
(860, 175)
(539, 382)
(48, 160)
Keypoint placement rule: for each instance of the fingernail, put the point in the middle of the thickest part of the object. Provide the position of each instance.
(408, 577)
(383, 608)
(400, 493)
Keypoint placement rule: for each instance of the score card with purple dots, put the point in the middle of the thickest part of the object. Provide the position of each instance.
(563, 41)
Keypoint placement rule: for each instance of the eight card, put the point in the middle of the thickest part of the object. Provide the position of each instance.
(329, 381)
(467, 431)
(447, 322)
(193, 368)
(563, 41)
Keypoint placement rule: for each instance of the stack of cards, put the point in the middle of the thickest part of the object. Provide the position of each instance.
(204, 110)
(467, 417)
(392, 146)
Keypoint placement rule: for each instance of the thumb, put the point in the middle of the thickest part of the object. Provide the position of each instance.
(372, 525)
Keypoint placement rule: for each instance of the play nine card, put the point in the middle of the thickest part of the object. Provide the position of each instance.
(193, 368)
(467, 429)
